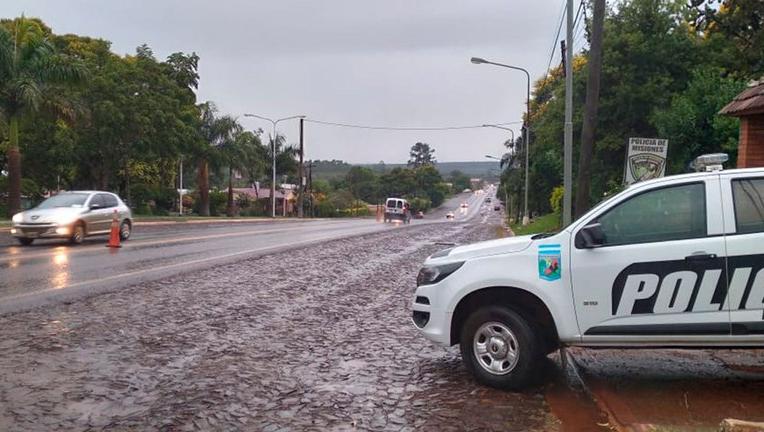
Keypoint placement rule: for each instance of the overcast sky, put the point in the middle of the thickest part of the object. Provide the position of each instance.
(380, 63)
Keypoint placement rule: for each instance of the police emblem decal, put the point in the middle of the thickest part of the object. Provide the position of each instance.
(549, 262)
(646, 166)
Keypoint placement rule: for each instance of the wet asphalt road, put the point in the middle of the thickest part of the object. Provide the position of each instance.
(319, 338)
(53, 271)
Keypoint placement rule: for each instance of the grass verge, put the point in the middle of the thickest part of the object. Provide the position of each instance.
(541, 224)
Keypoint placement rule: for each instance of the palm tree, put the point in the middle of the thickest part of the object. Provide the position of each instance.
(214, 131)
(286, 162)
(29, 68)
(239, 151)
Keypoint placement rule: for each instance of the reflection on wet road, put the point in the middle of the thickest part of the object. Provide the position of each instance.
(53, 271)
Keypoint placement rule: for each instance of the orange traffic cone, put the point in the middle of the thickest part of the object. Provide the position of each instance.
(114, 237)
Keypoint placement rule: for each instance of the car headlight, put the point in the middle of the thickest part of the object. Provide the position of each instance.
(429, 275)
(17, 218)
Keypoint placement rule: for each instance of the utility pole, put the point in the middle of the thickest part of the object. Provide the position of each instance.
(568, 153)
(590, 110)
(273, 156)
(180, 191)
(310, 187)
(301, 190)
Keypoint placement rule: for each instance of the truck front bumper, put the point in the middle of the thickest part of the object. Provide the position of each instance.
(430, 316)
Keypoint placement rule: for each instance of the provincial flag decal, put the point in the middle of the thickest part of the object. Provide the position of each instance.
(549, 262)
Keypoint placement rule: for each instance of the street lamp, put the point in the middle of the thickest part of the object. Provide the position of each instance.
(501, 127)
(478, 60)
(273, 155)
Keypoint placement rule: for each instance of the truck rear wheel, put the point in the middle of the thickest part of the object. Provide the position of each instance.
(499, 348)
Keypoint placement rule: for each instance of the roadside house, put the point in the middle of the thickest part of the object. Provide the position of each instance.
(749, 107)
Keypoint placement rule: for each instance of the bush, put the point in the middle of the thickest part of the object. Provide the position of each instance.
(555, 200)
(422, 204)
(218, 203)
(152, 200)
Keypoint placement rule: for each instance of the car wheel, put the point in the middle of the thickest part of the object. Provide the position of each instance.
(124, 230)
(25, 241)
(500, 349)
(78, 234)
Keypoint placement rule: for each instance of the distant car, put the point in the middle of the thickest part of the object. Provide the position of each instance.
(419, 215)
(465, 205)
(497, 207)
(467, 190)
(450, 215)
(397, 209)
(488, 199)
(72, 215)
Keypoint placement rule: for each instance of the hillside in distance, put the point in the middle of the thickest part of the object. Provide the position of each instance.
(327, 169)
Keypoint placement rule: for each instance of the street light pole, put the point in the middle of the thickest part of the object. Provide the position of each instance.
(502, 127)
(273, 155)
(527, 141)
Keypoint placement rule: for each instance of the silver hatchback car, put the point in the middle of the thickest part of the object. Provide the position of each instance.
(72, 215)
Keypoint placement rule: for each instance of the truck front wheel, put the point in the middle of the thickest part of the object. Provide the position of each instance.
(499, 348)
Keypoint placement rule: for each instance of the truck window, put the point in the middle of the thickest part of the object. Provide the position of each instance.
(748, 195)
(390, 203)
(670, 213)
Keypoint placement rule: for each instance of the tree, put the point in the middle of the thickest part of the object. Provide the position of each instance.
(691, 123)
(420, 155)
(583, 197)
(30, 68)
(734, 33)
(214, 132)
(430, 184)
(363, 184)
(240, 150)
(459, 180)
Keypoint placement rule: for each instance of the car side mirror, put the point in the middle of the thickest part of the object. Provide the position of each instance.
(591, 236)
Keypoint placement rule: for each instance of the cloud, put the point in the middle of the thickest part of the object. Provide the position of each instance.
(384, 62)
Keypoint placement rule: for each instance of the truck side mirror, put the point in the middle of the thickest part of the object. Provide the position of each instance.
(591, 236)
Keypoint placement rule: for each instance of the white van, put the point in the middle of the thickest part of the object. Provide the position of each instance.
(397, 208)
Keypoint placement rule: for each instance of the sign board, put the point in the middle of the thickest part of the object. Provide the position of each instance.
(645, 159)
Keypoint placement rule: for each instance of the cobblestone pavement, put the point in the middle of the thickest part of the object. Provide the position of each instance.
(312, 339)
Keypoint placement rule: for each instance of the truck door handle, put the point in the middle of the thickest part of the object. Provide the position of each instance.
(699, 257)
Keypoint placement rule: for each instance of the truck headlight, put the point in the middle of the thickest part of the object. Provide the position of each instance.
(429, 275)
(17, 218)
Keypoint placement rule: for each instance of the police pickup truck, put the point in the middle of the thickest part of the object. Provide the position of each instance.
(671, 262)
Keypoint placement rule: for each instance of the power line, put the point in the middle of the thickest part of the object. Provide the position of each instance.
(556, 38)
(402, 128)
(577, 20)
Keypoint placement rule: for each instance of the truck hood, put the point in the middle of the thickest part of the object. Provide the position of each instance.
(490, 247)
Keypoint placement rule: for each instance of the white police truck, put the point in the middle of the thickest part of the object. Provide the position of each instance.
(671, 262)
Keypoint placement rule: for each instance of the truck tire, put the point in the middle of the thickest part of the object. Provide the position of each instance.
(500, 349)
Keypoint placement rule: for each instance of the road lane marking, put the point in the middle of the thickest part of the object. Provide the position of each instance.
(179, 264)
(15, 253)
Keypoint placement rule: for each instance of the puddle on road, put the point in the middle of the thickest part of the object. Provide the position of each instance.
(680, 391)
(573, 407)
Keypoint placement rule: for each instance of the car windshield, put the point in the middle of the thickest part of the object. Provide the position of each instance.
(64, 200)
